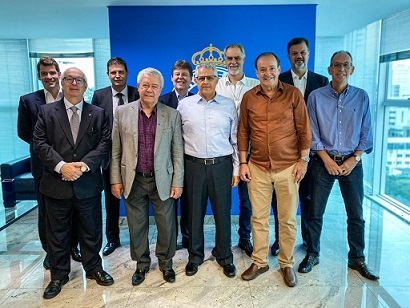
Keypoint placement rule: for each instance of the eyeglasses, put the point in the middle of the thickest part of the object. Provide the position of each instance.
(78, 80)
(203, 78)
(231, 58)
(346, 65)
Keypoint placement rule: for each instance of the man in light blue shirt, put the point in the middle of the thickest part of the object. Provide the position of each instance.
(209, 128)
(341, 128)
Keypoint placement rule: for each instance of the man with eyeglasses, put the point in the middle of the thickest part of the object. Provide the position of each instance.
(148, 167)
(274, 120)
(72, 139)
(48, 72)
(181, 76)
(209, 128)
(234, 86)
(306, 81)
(341, 127)
(109, 98)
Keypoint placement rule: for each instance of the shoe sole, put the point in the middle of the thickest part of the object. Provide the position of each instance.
(105, 284)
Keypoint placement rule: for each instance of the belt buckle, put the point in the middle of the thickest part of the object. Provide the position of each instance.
(338, 158)
(212, 161)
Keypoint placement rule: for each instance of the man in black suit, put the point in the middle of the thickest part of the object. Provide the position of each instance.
(72, 139)
(48, 72)
(306, 81)
(109, 99)
(181, 76)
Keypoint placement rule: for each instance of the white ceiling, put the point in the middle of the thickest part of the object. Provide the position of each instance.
(89, 18)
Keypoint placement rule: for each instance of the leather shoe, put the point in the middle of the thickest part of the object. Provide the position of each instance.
(307, 264)
(102, 278)
(46, 263)
(75, 254)
(54, 288)
(246, 245)
(274, 249)
(139, 276)
(168, 275)
(254, 271)
(213, 252)
(362, 268)
(191, 269)
(229, 270)
(289, 276)
(110, 247)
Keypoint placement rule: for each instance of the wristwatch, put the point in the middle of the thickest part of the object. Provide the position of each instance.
(357, 157)
(84, 168)
(305, 158)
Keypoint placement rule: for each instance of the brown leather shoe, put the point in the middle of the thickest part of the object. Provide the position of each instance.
(289, 276)
(254, 271)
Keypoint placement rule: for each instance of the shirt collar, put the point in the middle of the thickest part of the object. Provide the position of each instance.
(243, 80)
(68, 105)
(49, 97)
(296, 76)
(123, 92)
(154, 111)
(258, 88)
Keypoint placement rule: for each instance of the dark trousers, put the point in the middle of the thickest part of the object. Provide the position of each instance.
(183, 221)
(213, 182)
(245, 211)
(144, 191)
(351, 187)
(112, 209)
(59, 218)
(42, 229)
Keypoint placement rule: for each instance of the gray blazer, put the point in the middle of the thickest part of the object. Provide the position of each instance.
(168, 149)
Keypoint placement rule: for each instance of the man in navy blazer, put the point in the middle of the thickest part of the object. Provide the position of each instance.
(181, 76)
(109, 99)
(306, 81)
(71, 181)
(48, 72)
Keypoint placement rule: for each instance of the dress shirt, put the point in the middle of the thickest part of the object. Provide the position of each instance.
(146, 140)
(209, 128)
(49, 97)
(235, 92)
(340, 124)
(115, 99)
(179, 96)
(300, 83)
(277, 128)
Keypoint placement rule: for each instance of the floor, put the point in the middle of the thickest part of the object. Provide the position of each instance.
(330, 284)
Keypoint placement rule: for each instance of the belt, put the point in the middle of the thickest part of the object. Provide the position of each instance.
(208, 161)
(149, 174)
(340, 158)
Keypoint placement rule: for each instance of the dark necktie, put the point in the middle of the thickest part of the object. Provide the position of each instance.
(74, 122)
(120, 100)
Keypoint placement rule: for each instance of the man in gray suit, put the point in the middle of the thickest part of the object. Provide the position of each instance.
(147, 166)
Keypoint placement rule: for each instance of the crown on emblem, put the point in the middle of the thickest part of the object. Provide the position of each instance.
(210, 54)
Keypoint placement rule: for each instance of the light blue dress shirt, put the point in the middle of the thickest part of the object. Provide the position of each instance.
(340, 124)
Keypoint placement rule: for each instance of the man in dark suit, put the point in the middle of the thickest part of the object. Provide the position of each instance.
(109, 99)
(306, 81)
(181, 77)
(48, 72)
(72, 138)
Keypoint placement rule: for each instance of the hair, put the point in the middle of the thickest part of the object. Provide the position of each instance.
(116, 61)
(239, 46)
(206, 65)
(268, 53)
(183, 65)
(47, 61)
(76, 68)
(338, 52)
(297, 41)
(149, 71)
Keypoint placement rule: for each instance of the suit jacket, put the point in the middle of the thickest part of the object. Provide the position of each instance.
(53, 142)
(314, 81)
(28, 109)
(170, 99)
(168, 149)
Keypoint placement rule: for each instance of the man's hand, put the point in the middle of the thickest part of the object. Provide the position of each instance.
(176, 192)
(348, 165)
(244, 173)
(299, 171)
(117, 190)
(332, 167)
(71, 171)
(235, 181)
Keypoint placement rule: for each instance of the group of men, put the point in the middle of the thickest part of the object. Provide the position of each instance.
(281, 138)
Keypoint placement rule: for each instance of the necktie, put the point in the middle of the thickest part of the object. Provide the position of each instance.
(120, 100)
(180, 97)
(74, 122)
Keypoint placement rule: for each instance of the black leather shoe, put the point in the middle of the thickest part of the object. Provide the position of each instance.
(75, 254)
(246, 245)
(274, 249)
(139, 276)
(102, 278)
(168, 275)
(46, 263)
(213, 252)
(54, 288)
(110, 247)
(362, 268)
(229, 270)
(307, 264)
(191, 269)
